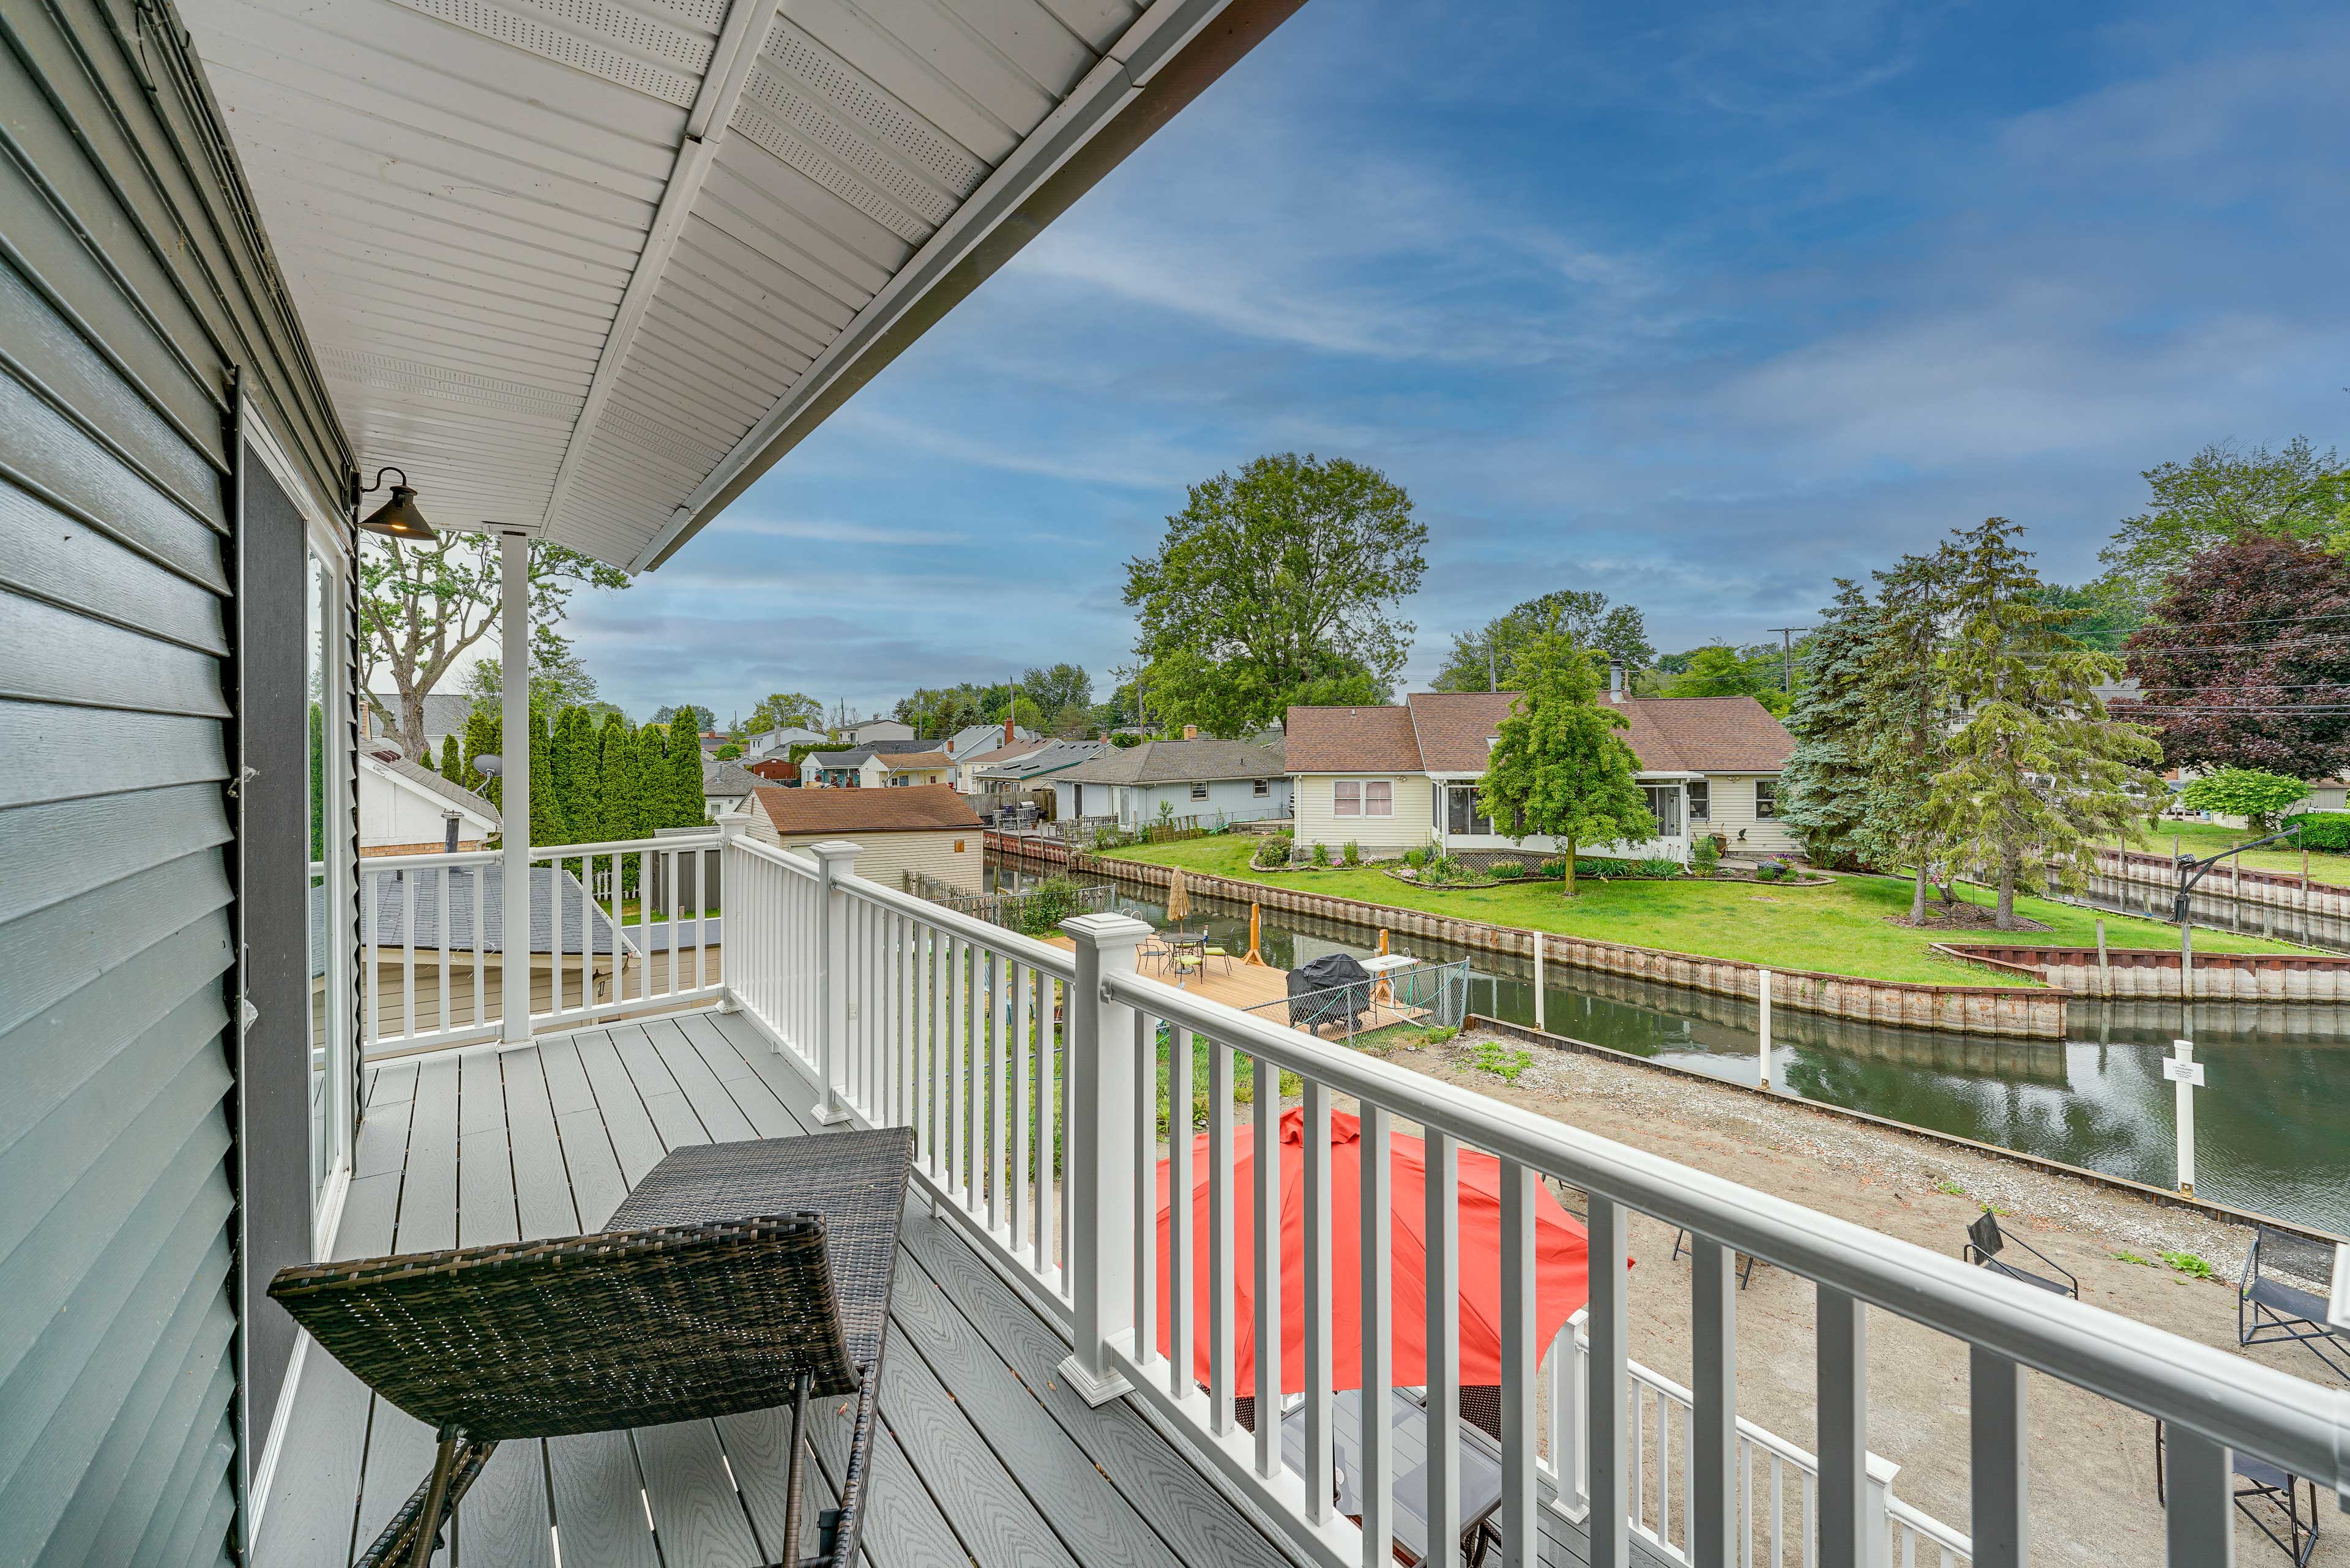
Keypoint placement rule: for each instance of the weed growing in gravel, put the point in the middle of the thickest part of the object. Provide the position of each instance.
(2132, 1258)
(1502, 1064)
(1946, 1185)
(2188, 1263)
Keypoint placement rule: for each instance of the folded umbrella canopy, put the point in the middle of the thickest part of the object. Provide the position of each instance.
(1562, 1258)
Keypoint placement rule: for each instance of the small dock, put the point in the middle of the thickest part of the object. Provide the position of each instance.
(1236, 982)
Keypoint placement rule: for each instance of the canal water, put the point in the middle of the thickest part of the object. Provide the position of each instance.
(2272, 1122)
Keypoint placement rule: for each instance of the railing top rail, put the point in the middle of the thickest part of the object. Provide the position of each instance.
(2284, 1419)
(1059, 962)
(1910, 1516)
(799, 863)
(424, 862)
(708, 840)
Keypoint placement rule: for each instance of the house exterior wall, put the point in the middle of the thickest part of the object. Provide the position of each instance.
(1411, 827)
(153, 633)
(392, 813)
(879, 777)
(1235, 800)
(1734, 816)
(950, 854)
(1668, 847)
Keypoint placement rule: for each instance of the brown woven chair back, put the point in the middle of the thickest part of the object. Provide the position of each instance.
(588, 1334)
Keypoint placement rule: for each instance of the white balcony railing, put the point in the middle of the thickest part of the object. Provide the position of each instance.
(617, 928)
(1031, 1073)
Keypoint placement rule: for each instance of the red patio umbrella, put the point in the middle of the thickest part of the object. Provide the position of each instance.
(1561, 1256)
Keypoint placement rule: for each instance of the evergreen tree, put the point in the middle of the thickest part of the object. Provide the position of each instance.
(482, 739)
(547, 824)
(1824, 787)
(578, 768)
(453, 766)
(652, 773)
(2038, 771)
(616, 771)
(683, 777)
(317, 782)
(1906, 696)
(1560, 770)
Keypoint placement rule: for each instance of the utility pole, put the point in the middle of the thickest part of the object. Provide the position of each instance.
(1492, 670)
(1787, 661)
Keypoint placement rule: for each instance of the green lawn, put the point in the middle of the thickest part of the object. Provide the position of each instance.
(2210, 838)
(1841, 928)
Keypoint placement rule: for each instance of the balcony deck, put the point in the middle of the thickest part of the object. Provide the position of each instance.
(982, 1457)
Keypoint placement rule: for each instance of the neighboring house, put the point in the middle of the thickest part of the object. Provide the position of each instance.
(445, 713)
(1399, 777)
(726, 786)
(872, 729)
(973, 739)
(968, 769)
(928, 828)
(1239, 780)
(405, 808)
(852, 768)
(775, 770)
(779, 743)
(1034, 770)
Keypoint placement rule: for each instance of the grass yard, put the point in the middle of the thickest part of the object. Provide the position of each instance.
(2210, 838)
(632, 914)
(1841, 928)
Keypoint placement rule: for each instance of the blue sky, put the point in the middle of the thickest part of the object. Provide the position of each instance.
(1702, 313)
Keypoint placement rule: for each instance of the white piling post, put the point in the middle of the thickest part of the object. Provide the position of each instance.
(1763, 1045)
(1539, 1024)
(2186, 1075)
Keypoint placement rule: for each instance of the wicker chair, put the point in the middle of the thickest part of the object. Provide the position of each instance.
(740, 1276)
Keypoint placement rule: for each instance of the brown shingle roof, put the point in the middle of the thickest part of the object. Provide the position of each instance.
(1446, 733)
(1351, 739)
(920, 808)
(915, 759)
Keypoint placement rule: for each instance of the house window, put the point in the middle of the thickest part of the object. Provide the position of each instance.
(1665, 805)
(1260, 788)
(1199, 792)
(1347, 797)
(1700, 808)
(1767, 799)
(1461, 815)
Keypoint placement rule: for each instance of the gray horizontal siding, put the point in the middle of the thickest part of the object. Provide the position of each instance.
(136, 300)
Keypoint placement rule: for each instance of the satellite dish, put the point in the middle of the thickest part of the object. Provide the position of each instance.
(489, 765)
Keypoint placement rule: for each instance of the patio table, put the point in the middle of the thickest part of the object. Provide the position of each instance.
(1480, 1461)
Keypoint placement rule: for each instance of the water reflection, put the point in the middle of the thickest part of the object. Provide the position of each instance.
(2272, 1128)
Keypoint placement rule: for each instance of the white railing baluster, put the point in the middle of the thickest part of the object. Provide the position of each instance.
(1320, 1473)
(1024, 1149)
(1222, 1283)
(448, 935)
(992, 999)
(1441, 1225)
(371, 943)
(958, 1142)
(408, 958)
(1712, 1426)
(1521, 1546)
(1266, 1153)
(1375, 1429)
(1636, 1453)
(1842, 1383)
(1183, 1279)
(481, 981)
(1605, 1450)
(1996, 1450)
(1146, 1191)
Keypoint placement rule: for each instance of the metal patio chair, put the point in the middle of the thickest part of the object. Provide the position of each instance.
(736, 1277)
(2270, 1309)
(1984, 1243)
(1745, 1260)
(2269, 1497)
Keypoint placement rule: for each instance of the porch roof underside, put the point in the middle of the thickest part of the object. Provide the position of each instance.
(588, 267)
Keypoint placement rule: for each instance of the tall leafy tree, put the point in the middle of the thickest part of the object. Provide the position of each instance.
(317, 782)
(784, 710)
(1905, 695)
(2221, 495)
(481, 740)
(424, 608)
(1286, 574)
(1718, 669)
(1479, 660)
(548, 825)
(1560, 769)
(2244, 662)
(1056, 687)
(617, 767)
(1824, 787)
(2248, 793)
(2038, 771)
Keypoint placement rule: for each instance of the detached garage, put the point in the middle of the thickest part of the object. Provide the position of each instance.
(924, 828)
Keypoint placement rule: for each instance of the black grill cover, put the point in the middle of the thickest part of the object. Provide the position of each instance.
(1315, 996)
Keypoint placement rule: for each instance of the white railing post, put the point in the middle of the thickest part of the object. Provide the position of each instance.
(514, 797)
(1099, 1075)
(730, 869)
(1876, 1527)
(834, 860)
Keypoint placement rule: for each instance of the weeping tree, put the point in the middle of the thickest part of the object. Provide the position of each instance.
(1560, 770)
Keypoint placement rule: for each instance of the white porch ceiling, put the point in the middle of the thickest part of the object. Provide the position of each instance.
(588, 267)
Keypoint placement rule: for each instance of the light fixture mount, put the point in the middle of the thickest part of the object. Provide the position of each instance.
(397, 518)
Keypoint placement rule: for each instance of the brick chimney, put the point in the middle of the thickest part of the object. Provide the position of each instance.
(1007, 730)
(1191, 731)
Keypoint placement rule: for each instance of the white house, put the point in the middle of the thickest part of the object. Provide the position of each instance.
(873, 730)
(968, 769)
(726, 787)
(928, 828)
(1031, 771)
(1238, 781)
(973, 740)
(1401, 777)
(779, 743)
(883, 764)
(407, 809)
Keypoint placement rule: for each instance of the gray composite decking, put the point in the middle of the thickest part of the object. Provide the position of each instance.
(982, 1457)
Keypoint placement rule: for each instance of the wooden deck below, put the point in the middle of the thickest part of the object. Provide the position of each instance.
(983, 1457)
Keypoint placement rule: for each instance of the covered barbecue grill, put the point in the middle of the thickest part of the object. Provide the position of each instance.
(1332, 989)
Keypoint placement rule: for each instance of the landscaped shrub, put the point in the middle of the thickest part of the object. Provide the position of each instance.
(1770, 870)
(1705, 855)
(1321, 855)
(1050, 903)
(1601, 871)
(1415, 858)
(1351, 852)
(2322, 829)
(1659, 867)
(1442, 868)
(1554, 868)
(1271, 850)
(1509, 870)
